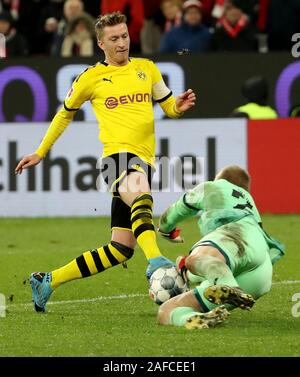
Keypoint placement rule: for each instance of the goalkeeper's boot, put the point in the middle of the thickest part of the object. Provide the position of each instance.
(224, 294)
(41, 290)
(207, 320)
(155, 263)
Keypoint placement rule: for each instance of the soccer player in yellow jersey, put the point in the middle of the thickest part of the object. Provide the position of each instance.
(120, 90)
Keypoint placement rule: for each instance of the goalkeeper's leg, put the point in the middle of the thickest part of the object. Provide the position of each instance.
(186, 311)
(220, 286)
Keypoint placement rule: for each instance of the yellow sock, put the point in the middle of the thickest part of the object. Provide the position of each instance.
(65, 273)
(91, 262)
(142, 225)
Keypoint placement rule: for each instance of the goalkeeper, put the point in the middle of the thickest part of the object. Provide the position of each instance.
(232, 263)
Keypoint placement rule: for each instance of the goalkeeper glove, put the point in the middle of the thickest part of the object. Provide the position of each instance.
(181, 268)
(173, 236)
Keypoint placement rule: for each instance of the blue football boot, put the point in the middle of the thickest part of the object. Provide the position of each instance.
(41, 290)
(155, 263)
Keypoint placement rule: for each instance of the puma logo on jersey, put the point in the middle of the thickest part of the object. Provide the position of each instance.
(109, 80)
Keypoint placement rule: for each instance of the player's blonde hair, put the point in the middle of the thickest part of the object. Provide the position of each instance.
(236, 175)
(109, 19)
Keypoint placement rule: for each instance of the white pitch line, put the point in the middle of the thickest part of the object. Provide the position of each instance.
(84, 300)
(122, 297)
(100, 298)
(286, 282)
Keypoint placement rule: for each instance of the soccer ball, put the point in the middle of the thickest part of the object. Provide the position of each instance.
(165, 283)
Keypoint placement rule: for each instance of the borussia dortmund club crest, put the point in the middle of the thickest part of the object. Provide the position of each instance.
(142, 75)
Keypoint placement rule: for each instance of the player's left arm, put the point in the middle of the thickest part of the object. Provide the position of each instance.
(172, 107)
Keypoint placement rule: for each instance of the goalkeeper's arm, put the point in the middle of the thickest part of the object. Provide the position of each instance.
(177, 212)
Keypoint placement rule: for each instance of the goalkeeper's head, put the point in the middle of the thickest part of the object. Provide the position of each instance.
(235, 175)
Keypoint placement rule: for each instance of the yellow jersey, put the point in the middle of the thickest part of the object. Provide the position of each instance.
(121, 97)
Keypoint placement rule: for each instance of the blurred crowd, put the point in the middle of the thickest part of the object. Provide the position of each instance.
(66, 27)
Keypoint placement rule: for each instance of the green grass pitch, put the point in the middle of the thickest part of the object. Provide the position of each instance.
(110, 314)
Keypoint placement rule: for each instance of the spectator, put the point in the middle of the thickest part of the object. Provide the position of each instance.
(80, 38)
(218, 9)
(50, 16)
(283, 21)
(16, 44)
(172, 11)
(72, 9)
(191, 34)
(11, 6)
(207, 8)
(249, 7)
(151, 31)
(255, 91)
(26, 15)
(234, 31)
(134, 10)
(263, 10)
(92, 7)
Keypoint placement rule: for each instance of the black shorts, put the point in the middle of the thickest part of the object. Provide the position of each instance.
(114, 169)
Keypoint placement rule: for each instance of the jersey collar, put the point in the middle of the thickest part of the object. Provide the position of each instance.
(106, 64)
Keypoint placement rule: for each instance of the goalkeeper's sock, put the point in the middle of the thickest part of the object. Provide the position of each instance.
(180, 315)
(194, 279)
(91, 262)
(214, 270)
(143, 226)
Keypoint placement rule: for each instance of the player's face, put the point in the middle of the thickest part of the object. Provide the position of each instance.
(115, 44)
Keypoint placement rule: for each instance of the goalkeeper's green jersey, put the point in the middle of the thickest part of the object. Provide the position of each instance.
(219, 202)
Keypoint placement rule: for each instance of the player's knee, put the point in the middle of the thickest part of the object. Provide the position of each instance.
(138, 183)
(123, 237)
(203, 253)
(190, 261)
(126, 251)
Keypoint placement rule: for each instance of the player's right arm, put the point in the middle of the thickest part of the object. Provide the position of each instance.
(186, 206)
(77, 95)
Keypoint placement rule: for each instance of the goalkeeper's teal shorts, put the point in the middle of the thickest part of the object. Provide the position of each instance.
(246, 252)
